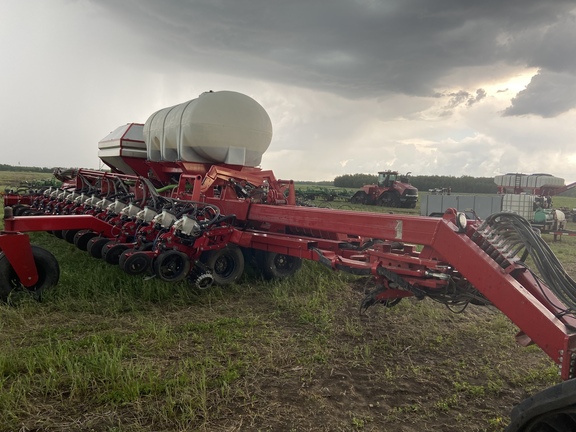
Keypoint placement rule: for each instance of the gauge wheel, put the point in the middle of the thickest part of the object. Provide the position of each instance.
(82, 238)
(69, 235)
(172, 266)
(274, 265)
(227, 264)
(135, 262)
(95, 246)
(111, 252)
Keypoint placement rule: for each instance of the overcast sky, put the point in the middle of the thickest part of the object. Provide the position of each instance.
(448, 87)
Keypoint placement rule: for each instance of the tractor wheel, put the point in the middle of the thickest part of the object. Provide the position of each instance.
(273, 265)
(227, 264)
(134, 263)
(82, 238)
(359, 198)
(172, 266)
(48, 274)
(389, 199)
(69, 235)
(58, 233)
(95, 246)
(111, 252)
(550, 410)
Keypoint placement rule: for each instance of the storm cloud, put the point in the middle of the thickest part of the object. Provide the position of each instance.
(428, 86)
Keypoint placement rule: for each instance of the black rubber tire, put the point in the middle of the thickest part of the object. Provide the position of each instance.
(48, 274)
(58, 233)
(273, 265)
(172, 266)
(134, 263)
(82, 238)
(227, 264)
(95, 245)
(563, 420)
(19, 209)
(69, 235)
(111, 252)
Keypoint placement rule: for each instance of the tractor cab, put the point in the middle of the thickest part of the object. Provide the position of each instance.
(387, 178)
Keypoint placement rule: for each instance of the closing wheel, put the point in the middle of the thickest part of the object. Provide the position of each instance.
(227, 264)
(172, 266)
(134, 263)
(204, 281)
(95, 246)
(273, 265)
(112, 250)
(46, 266)
(82, 238)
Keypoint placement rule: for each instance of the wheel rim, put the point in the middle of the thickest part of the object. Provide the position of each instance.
(172, 266)
(136, 264)
(224, 266)
(277, 266)
(227, 264)
(283, 262)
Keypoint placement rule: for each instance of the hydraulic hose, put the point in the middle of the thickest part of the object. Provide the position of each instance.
(512, 235)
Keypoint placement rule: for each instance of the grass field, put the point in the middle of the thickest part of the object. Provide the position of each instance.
(105, 351)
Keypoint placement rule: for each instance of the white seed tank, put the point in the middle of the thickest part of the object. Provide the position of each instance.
(217, 127)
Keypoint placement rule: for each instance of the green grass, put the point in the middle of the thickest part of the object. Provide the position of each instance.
(105, 350)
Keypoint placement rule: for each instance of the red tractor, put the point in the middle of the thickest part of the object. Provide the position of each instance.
(392, 190)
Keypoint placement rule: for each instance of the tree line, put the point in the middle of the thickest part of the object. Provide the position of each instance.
(4, 167)
(463, 184)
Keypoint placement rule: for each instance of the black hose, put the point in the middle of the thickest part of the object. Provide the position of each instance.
(517, 230)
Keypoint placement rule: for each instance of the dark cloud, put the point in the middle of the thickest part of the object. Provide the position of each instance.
(360, 48)
(556, 49)
(458, 98)
(480, 94)
(549, 94)
(463, 97)
(550, 48)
